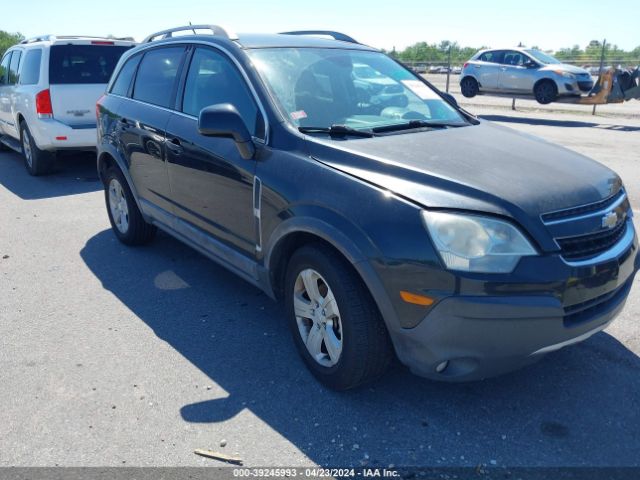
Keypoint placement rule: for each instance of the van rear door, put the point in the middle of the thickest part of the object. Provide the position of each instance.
(78, 76)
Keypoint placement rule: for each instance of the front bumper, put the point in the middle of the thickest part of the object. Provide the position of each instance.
(574, 86)
(490, 329)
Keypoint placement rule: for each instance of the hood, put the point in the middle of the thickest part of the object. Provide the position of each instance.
(565, 68)
(483, 167)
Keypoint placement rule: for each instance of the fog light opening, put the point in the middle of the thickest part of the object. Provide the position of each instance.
(442, 366)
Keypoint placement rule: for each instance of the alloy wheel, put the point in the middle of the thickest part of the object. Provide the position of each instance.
(118, 206)
(26, 148)
(318, 317)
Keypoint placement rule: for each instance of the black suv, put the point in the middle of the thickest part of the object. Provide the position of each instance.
(385, 217)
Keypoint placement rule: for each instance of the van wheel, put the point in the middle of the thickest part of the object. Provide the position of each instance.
(38, 162)
(546, 92)
(335, 323)
(469, 87)
(126, 220)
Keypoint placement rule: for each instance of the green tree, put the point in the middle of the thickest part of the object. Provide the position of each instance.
(7, 40)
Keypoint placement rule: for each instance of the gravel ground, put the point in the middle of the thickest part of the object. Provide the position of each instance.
(136, 356)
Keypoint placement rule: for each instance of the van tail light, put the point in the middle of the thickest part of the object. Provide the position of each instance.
(465, 65)
(43, 104)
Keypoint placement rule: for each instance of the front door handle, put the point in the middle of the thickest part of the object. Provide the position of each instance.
(175, 146)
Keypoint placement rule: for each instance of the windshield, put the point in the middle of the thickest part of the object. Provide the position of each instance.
(542, 57)
(320, 87)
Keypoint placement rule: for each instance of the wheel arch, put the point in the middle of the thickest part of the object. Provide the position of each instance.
(108, 157)
(469, 75)
(544, 79)
(353, 246)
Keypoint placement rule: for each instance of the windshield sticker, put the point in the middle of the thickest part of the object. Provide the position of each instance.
(420, 89)
(298, 115)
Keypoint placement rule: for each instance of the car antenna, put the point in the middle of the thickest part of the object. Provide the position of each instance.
(193, 29)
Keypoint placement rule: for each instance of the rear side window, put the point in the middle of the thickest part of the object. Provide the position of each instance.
(30, 74)
(212, 79)
(125, 76)
(494, 56)
(4, 69)
(83, 63)
(156, 76)
(14, 66)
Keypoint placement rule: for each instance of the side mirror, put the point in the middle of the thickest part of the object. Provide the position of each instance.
(530, 64)
(223, 120)
(450, 98)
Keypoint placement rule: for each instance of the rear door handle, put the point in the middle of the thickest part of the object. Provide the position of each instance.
(175, 146)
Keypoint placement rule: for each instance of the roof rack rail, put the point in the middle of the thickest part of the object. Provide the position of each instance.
(40, 38)
(43, 38)
(215, 29)
(335, 35)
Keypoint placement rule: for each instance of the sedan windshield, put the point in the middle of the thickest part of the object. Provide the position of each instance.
(542, 57)
(323, 87)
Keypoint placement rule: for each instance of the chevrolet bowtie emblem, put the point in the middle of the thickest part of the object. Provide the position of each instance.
(610, 220)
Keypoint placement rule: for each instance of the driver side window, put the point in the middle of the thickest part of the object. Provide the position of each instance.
(211, 80)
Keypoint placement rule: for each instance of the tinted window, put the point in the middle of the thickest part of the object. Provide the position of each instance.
(83, 63)
(123, 82)
(13, 68)
(212, 79)
(157, 75)
(30, 74)
(494, 56)
(4, 69)
(514, 58)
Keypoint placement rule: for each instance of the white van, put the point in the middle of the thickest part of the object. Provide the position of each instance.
(48, 91)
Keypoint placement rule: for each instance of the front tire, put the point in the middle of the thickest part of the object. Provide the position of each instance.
(38, 162)
(469, 87)
(546, 92)
(126, 219)
(333, 319)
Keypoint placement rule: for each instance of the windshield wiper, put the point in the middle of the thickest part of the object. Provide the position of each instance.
(417, 124)
(338, 130)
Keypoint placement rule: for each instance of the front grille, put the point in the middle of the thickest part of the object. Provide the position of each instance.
(582, 209)
(582, 233)
(586, 246)
(585, 86)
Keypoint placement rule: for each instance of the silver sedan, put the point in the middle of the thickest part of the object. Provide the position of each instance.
(522, 71)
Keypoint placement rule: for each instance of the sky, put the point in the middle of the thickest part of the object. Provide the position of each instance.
(549, 24)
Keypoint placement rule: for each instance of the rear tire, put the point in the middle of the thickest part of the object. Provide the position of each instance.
(546, 92)
(38, 162)
(351, 346)
(126, 219)
(469, 87)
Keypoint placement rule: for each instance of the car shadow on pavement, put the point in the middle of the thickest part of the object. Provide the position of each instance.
(579, 406)
(560, 123)
(75, 173)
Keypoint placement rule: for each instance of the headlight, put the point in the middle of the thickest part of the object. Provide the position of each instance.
(472, 243)
(565, 74)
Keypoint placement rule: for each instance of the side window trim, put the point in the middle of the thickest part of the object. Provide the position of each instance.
(183, 79)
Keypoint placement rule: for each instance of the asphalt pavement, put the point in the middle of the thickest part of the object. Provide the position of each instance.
(113, 356)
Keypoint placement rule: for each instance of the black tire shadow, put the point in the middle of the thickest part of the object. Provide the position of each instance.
(75, 173)
(579, 406)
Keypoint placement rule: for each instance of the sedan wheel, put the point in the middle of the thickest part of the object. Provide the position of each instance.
(318, 317)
